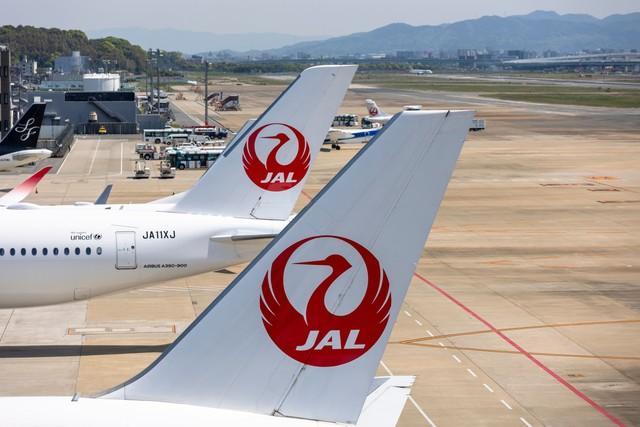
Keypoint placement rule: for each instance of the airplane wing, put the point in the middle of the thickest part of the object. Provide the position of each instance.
(21, 191)
(104, 196)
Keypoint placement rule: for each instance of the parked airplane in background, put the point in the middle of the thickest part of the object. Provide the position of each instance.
(419, 72)
(297, 337)
(226, 218)
(338, 137)
(18, 147)
(22, 190)
(376, 115)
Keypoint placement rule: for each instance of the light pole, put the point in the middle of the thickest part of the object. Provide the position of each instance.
(158, 74)
(149, 81)
(206, 93)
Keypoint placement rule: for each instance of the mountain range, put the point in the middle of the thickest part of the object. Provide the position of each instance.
(193, 41)
(539, 31)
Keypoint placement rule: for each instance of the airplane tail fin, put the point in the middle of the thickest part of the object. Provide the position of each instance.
(374, 110)
(103, 198)
(262, 172)
(25, 132)
(22, 190)
(301, 331)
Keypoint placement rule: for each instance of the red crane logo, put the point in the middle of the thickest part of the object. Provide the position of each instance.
(272, 175)
(319, 337)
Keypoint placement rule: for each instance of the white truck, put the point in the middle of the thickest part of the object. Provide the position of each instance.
(477, 124)
(147, 151)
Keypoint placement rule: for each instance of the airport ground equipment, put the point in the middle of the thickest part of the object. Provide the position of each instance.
(345, 120)
(296, 339)
(478, 125)
(166, 170)
(140, 170)
(147, 151)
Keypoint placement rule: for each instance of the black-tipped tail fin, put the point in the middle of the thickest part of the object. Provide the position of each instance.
(26, 131)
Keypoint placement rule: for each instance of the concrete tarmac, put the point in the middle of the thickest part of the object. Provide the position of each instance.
(525, 309)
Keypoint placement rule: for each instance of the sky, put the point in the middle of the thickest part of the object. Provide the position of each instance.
(299, 17)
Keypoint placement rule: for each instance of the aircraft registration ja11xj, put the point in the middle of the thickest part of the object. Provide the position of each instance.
(296, 338)
(55, 254)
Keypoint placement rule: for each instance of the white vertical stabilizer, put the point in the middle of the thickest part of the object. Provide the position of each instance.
(373, 109)
(262, 173)
(302, 330)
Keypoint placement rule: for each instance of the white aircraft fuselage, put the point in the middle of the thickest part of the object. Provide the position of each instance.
(53, 255)
(23, 157)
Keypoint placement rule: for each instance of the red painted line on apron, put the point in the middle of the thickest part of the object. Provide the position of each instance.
(524, 352)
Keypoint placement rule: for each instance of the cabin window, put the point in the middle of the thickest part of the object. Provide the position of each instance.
(55, 251)
(66, 251)
(23, 251)
(34, 251)
(77, 251)
(1, 251)
(88, 251)
(45, 251)
(99, 250)
(12, 252)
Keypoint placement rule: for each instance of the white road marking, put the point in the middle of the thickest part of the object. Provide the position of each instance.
(506, 404)
(418, 322)
(93, 158)
(66, 157)
(473, 374)
(407, 313)
(422, 412)
(121, 157)
(441, 345)
(429, 332)
(525, 422)
(456, 358)
(488, 388)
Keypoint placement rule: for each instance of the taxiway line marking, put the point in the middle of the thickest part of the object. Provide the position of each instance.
(418, 322)
(66, 157)
(407, 313)
(422, 412)
(305, 194)
(534, 353)
(523, 328)
(506, 405)
(525, 422)
(93, 158)
(473, 374)
(489, 389)
(456, 358)
(429, 332)
(529, 356)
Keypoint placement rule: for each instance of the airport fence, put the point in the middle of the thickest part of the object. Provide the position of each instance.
(58, 139)
(126, 128)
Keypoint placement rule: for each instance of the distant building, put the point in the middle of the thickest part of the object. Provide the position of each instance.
(520, 54)
(101, 82)
(413, 54)
(73, 64)
(89, 109)
(63, 82)
(28, 68)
